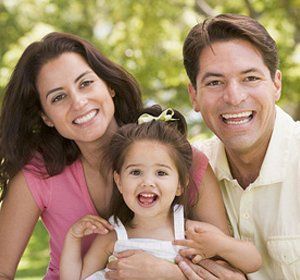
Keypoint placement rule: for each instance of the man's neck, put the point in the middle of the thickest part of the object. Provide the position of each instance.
(245, 168)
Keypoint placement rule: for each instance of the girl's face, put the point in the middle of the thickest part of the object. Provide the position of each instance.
(75, 100)
(148, 179)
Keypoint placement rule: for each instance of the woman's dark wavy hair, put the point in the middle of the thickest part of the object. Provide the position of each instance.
(172, 134)
(22, 131)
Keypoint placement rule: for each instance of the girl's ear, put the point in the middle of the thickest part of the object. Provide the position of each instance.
(179, 190)
(46, 120)
(118, 181)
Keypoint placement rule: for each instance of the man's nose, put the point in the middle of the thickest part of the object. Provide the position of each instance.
(234, 93)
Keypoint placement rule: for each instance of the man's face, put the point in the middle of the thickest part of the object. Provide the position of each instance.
(236, 94)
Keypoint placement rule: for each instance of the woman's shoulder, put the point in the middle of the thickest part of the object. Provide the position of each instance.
(200, 160)
(36, 167)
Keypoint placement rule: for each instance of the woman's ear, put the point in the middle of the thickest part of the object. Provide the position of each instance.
(179, 190)
(46, 120)
(112, 92)
(117, 179)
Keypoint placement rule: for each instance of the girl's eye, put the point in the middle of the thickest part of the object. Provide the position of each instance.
(162, 173)
(57, 98)
(86, 83)
(135, 172)
(213, 83)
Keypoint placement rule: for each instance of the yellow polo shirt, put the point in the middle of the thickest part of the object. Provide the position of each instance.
(268, 211)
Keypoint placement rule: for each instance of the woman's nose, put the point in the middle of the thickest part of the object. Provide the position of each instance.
(79, 101)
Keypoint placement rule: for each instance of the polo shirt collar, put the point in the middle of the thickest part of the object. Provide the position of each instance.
(275, 163)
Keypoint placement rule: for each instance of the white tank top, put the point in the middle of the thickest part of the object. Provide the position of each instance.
(159, 248)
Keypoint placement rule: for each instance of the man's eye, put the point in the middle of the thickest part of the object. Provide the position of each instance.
(86, 83)
(135, 172)
(162, 173)
(57, 98)
(213, 83)
(252, 78)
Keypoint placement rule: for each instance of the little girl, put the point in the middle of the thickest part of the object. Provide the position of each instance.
(151, 161)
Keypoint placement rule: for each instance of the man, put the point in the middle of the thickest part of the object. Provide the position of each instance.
(232, 65)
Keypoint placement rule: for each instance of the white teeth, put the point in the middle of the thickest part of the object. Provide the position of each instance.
(86, 118)
(147, 194)
(238, 115)
(237, 122)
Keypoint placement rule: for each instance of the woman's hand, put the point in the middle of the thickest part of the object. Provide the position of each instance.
(203, 241)
(137, 264)
(89, 224)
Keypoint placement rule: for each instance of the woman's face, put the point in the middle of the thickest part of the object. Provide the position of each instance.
(75, 100)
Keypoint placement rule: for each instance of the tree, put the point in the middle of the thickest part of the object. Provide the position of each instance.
(146, 37)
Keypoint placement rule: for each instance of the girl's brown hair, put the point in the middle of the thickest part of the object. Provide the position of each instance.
(172, 134)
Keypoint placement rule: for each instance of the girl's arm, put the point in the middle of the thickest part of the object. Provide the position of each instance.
(18, 215)
(206, 241)
(72, 266)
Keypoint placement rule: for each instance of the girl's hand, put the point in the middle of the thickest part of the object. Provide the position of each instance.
(203, 241)
(90, 224)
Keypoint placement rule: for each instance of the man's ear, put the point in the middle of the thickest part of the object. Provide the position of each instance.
(46, 120)
(193, 97)
(277, 84)
(118, 181)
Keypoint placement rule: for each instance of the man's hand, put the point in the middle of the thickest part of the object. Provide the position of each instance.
(208, 270)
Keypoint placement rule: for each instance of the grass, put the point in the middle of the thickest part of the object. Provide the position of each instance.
(34, 262)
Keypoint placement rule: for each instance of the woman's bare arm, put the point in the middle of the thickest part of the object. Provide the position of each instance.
(18, 216)
(210, 206)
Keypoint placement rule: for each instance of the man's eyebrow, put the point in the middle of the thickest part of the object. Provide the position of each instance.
(75, 81)
(211, 74)
(251, 70)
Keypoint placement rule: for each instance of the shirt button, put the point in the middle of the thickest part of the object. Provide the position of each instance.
(246, 216)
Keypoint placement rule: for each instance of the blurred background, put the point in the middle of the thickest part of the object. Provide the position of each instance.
(146, 38)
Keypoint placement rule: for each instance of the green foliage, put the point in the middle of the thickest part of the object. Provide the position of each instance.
(146, 37)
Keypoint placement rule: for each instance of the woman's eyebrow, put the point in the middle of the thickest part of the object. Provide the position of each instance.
(81, 75)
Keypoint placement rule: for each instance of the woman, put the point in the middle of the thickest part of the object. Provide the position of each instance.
(62, 103)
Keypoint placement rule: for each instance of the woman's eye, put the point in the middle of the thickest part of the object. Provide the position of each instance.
(85, 83)
(162, 173)
(57, 98)
(135, 172)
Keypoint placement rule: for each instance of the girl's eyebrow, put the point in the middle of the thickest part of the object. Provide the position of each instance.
(75, 81)
(140, 164)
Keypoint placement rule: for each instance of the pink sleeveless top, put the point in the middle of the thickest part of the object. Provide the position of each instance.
(64, 198)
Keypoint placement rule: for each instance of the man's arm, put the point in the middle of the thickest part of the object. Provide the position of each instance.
(209, 270)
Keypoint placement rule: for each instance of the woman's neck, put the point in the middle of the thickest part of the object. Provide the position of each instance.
(93, 152)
